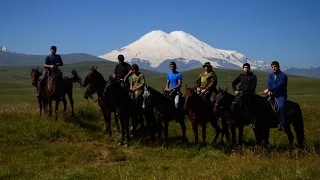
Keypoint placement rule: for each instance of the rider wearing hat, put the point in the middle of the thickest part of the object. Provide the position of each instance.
(207, 82)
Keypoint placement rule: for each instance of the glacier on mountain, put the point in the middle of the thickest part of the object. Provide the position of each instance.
(156, 49)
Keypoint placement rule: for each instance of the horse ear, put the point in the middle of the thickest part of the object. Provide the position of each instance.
(38, 68)
(219, 88)
(226, 89)
(186, 86)
(95, 68)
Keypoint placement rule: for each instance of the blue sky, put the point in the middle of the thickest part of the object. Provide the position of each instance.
(284, 30)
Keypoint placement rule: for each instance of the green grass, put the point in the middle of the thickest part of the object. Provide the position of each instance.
(77, 148)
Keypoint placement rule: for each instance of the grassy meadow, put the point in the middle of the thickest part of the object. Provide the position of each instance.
(34, 147)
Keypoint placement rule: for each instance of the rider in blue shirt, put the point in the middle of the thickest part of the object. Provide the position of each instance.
(277, 86)
(174, 81)
(51, 61)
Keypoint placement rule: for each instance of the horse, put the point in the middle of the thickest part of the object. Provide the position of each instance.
(35, 75)
(113, 98)
(164, 111)
(199, 113)
(266, 117)
(56, 88)
(223, 101)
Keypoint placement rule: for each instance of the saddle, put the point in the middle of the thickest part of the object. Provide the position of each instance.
(171, 95)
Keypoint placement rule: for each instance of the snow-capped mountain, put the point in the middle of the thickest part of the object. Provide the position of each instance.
(4, 49)
(157, 49)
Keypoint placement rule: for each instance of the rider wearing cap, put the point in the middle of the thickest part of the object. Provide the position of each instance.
(137, 84)
(207, 82)
(122, 71)
(173, 84)
(52, 61)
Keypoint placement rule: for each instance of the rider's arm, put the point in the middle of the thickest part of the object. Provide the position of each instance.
(130, 71)
(198, 81)
(46, 62)
(235, 82)
(282, 83)
(60, 62)
(213, 82)
(253, 84)
(167, 83)
(114, 72)
(142, 81)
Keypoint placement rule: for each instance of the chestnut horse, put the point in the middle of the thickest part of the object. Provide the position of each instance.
(199, 113)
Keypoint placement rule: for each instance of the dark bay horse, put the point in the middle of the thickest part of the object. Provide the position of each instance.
(199, 113)
(56, 88)
(266, 118)
(35, 75)
(115, 99)
(236, 119)
(164, 111)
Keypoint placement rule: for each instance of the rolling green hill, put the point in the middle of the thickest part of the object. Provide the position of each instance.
(34, 147)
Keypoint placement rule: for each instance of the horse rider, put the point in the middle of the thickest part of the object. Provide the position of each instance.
(122, 71)
(137, 85)
(248, 83)
(277, 87)
(53, 60)
(207, 82)
(173, 84)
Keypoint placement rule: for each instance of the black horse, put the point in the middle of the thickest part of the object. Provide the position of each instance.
(236, 119)
(115, 99)
(164, 111)
(266, 118)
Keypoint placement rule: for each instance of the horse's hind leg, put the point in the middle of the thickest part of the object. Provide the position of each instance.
(289, 133)
(204, 128)
(40, 106)
(183, 129)
(56, 108)
(116, 119)
(240, 127)
(64, 105)
(71, 102)
(166, 133)
(195, 131)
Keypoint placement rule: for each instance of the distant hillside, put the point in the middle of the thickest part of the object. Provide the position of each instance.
(312, 72)
(17, 59)
(15, 76)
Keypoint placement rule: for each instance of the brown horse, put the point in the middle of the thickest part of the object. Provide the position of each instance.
(92, 89)
(56, 88)
(199, 113)
(35, 75)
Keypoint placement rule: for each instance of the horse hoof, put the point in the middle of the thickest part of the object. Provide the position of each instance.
(126, 145)
(120, 143)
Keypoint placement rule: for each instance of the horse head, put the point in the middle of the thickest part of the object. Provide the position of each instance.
(189, 97)
(35, 75)
(239, 101)
(222, 100)
(93, 82)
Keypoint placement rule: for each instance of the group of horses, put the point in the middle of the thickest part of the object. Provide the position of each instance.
(158, 110)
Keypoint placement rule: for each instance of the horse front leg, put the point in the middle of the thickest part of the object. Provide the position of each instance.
(166, 133)
(40, 106)
(116, 119)
(183, 129)
(216, 126)
(107, 120)
(240, 127)
(56, 108)
(64, 105)
(50, 109)
(195, 130)
(204, 129)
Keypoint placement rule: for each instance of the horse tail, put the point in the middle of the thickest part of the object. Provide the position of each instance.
(75, 77)
(298, 124)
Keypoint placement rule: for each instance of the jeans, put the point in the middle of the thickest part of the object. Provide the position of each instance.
(282, 109)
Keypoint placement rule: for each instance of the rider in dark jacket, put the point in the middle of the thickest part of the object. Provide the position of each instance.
(247, 79)
(248, 84)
